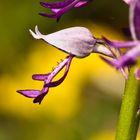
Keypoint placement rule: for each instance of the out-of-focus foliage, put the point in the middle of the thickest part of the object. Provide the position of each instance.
(86, 105)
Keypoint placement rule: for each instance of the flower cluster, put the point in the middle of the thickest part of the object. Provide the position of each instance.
(79, 42)
(133, 52)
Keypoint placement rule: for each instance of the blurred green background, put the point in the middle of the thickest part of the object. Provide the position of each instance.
(86, 105)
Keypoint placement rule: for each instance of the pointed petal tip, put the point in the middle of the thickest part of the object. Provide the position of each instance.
(36, 34)
(19, 91)
(46, 5)
(39, 99)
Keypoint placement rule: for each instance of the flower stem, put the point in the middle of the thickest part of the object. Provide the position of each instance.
(129, 115)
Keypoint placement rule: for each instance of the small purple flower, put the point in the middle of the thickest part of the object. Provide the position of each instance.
(133, 52)
(59, 8)
(77, 42)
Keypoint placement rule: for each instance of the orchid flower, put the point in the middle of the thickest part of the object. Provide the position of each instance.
(59, 8)
(132, 54)
(77, 42)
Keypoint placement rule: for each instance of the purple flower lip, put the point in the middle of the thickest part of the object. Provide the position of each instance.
(60, 8)
(38, 95)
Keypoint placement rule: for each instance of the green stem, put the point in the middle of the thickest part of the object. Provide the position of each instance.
(129, 117)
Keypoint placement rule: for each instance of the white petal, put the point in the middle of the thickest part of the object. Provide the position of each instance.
(102, 50)
(75, 40)
(37, 34)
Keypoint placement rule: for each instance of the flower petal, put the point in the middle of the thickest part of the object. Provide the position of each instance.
(56, 4)
(40, 77)
(30, 93)
(102, 50)
(58, 12)
(39, 98)
(81, 4)
(129, 58)
(121, 44)
(75, 40)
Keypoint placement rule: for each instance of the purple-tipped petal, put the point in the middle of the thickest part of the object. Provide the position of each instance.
(81, 4)
(30, 93)
(128, 59)
(40, 77)
(60, 8)
(119, 44)
(135, 19)
(56, 4)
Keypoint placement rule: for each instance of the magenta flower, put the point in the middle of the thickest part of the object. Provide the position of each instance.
(59, 8)
(133, 52)
(77, 42)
